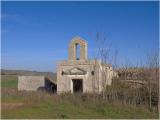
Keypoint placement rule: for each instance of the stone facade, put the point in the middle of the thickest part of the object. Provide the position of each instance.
(81, 74)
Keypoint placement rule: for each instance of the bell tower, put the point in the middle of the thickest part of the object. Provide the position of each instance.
(77, 49)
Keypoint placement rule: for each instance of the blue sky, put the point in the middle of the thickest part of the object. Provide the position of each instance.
(35, 35)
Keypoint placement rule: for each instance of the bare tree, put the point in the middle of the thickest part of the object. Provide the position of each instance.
(104, 46)
(153, 73)
(128, 69)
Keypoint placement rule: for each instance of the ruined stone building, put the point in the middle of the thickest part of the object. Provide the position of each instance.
(78, 74)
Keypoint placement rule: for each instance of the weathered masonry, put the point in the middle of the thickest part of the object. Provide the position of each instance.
(78, 74)
(34, 83)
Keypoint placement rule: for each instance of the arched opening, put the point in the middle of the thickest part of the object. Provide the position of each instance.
(77, 51)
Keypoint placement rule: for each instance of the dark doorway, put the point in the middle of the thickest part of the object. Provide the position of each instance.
(77, 85)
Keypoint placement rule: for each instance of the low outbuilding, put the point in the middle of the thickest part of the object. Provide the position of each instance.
(34, 83)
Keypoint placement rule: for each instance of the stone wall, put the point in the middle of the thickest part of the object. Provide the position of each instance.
(30, 83)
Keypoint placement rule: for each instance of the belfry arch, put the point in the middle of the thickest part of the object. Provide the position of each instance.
(78, 45)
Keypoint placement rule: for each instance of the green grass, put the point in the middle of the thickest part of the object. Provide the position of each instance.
(64, 109)
(11, 98)
(42, 105)
(9, 81)
(9, 84)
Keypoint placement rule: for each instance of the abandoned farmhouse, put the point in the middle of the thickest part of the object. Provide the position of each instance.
(77, 74)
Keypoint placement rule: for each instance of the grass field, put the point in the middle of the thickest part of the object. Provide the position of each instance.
(9, 81)
(23, 104)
